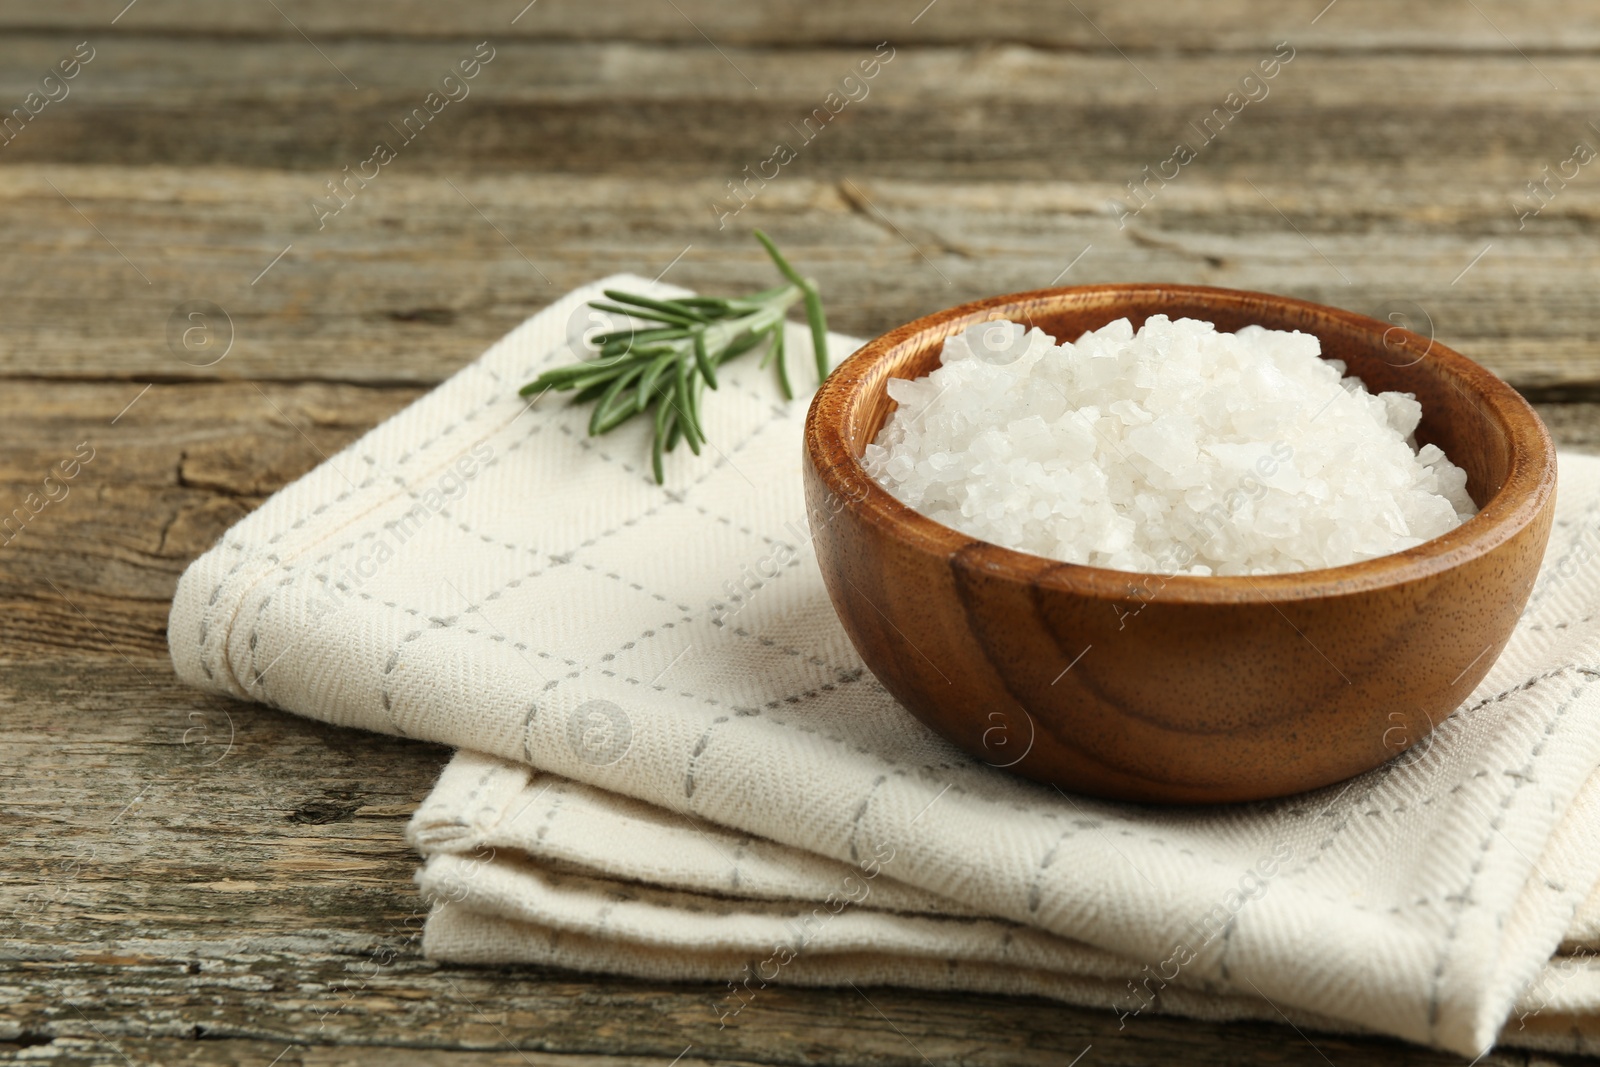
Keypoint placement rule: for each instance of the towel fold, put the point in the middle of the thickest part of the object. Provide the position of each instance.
(686, 772)
(528, 867)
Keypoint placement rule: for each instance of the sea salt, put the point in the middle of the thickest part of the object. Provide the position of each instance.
(1177, 450)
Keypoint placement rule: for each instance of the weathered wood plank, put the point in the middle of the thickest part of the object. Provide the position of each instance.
(197, 881)
(931, 112)
(170, 72)
(209, 1051)
(209, 881)
(409, 282)
(96, 567)
(1567, 25)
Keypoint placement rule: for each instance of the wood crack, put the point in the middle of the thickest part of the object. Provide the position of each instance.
(1145, 240)
(858, 204)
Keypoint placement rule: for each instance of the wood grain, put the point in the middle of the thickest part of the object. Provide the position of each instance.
(941, 112)
(163, 906)
(1489, 25)
(413, 283)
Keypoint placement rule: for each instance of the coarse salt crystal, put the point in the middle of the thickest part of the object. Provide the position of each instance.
(1173, 449)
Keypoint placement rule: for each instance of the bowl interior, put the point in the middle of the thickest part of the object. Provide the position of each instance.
(1464, 407)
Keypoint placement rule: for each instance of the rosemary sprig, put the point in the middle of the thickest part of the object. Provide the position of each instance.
(666, 365)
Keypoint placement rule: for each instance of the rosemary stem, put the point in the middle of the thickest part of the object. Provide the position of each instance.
(666, 351)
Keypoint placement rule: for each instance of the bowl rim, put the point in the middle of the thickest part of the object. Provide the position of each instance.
(1529, 482)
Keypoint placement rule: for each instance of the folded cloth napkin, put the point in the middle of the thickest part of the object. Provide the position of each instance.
(687, 772)
(528, 867)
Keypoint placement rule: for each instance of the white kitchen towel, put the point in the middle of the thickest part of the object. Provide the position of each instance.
(526, 867)
(530, 868)
(476, 571)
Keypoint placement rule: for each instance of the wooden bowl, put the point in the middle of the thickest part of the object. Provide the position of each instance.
(1181, 689)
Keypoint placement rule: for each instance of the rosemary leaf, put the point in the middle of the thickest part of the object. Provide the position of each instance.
(590, 392)
(680, 402)
(647, 382)
(612, 409)
(663, 418)
(644, 313)
(702, 359)
(783, 370)
(679, 309)
(819, 331)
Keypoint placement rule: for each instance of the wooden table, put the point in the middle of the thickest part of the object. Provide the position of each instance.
(189, 880)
